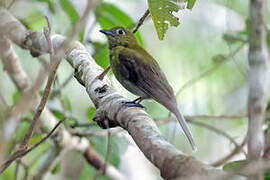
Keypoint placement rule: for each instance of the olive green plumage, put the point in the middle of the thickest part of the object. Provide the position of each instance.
(139, 72)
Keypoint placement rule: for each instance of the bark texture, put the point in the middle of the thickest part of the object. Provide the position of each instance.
(257, 79)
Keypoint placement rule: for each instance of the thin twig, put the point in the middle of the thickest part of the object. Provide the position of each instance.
(45, 138)
(147, 12)
(212, 128)
(216, 117)
(86, 125)
(20, 153)
(103, 74)
(18, 164)
(26, 168)
(22, 105)
(78, 25)
(16, 170)
(102, 170)
(48, 160)
(109, 150)
(216, 130)
(88, 33)
(209, 71)
(61, 86)
(235, 151)
(98, 133)
(24, 144)
(228, 29)
(54, 63)
(10, 4)
(49, 33)
(171, 138)
(3, 101)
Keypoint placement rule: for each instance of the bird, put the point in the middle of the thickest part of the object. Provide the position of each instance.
(140, 74)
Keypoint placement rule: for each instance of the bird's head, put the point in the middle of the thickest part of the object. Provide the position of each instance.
(120, 36)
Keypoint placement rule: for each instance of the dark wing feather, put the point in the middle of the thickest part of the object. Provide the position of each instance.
(142, 70)
(127, 68)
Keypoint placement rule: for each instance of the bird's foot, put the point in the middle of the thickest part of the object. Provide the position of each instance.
(133, 104)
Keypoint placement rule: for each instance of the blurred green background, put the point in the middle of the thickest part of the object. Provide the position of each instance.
(208, 45)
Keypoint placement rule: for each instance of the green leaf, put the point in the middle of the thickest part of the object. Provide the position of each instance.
(190, 3)
(70, 11)
(108, 16)
(56, 168)
(88, 173)
(101, 54)
(162, 15)
(267, 176)
(268, 38)
(234, 166)
(34, 20)
(91, 112)
(218, 58)
(9, 172)
(66, 103)
(100, 145)
(16, 97)
(235, 37)
(81, 34)
(22, 129)
(35, 139)
(58, 114)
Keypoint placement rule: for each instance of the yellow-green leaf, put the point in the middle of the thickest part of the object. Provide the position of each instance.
(34, 20)
(162, 15)
(56, 168)
(190, 3)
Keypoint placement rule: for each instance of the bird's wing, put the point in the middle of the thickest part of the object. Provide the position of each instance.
(141, 69)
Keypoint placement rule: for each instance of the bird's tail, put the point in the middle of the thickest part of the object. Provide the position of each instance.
(171, 105)
(185, 128)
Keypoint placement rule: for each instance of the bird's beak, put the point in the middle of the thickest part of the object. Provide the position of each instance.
(106, 32)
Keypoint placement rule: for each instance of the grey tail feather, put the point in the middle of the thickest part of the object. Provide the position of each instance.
(171, 105)
(185, 128)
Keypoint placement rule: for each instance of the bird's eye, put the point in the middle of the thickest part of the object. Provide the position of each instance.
(120, 31)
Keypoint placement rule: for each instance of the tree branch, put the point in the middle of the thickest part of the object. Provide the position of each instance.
(209, 71)
(145, 15)
(258, 79)
(54, 63)
(61, 86)
(22, 152)
(226, 158)
(204, 125)
(46, 164)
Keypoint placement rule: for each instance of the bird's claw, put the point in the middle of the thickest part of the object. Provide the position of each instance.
(133, 104)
